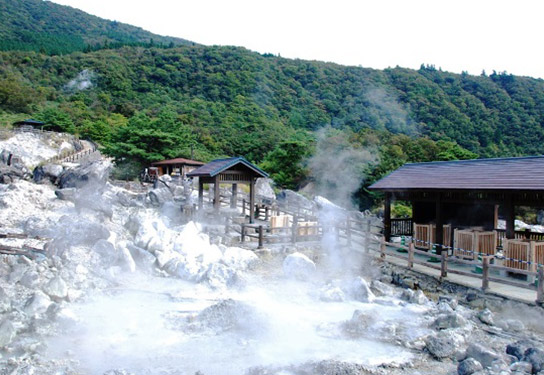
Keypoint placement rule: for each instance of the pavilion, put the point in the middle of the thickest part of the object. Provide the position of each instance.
(183, 165)
(465, 192)
(232, 171)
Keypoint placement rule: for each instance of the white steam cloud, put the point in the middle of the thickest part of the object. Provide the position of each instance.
(397, 118)
(337, 167)
(83, 81)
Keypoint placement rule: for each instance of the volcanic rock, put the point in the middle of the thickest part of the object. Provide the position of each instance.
(299, 266)
(469, 366)
(444, 344)
(483, 355)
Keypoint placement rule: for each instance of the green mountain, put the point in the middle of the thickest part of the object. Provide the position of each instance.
(144, 103)
(37, 25)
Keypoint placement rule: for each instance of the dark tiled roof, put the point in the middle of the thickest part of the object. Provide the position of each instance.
(215, 167)
(178, 161)
(29, 122)
(526, 173)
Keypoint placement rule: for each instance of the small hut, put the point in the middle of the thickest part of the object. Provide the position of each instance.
(29, 124)
(178, 165)
(232, 171)
(464, 193)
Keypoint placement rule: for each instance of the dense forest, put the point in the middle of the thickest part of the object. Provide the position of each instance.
(143, 103)
(43, 26)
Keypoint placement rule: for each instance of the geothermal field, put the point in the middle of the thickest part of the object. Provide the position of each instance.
(109, 280)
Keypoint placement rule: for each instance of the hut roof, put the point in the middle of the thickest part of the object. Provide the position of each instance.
(178, 161)
(524, 173)
(215, 167)
(29, 122)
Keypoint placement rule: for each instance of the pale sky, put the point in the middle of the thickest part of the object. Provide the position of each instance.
(460, 35)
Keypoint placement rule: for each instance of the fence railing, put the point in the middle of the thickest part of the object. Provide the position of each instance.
(402, 227)
(487, 263)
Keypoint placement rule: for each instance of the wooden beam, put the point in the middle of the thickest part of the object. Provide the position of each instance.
(234, 196)
(439, 238)
(200, 193)
(510, 217)
(387, 217)
(216, 194)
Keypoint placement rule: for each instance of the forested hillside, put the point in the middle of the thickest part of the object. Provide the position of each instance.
(144, 103)
(43, 26)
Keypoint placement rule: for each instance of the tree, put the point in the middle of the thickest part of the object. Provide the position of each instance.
(284, 164)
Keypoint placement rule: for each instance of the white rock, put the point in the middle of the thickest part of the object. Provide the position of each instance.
(239, 259)
(298, 266)
(37, 304)
(56, 288)
(7, 333)
(359, 290)
(331, 293)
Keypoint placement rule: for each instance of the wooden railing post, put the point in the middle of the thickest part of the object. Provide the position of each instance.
(443, 264)
(261, 237)
(242, 232)
(295, 229)
(244, 207)
(540, 288)
(411, 255)
(266, 213)
(382, 248)
(485, 273)
(367, 236)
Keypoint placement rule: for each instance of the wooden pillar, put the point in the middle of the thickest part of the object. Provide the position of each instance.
(387, 217)
(509, 217)
(234, 196)
(252, 200)
(496, 217)
(200, 193)
(439, 237)
(216, 195)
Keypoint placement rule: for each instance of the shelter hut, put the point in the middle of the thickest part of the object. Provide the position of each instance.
(232, 171)
(464, 193)
(181, 165)
(29, 124)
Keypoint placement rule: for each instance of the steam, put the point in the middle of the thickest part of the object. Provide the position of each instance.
(397, 117)
(337, 167)
(83, 81)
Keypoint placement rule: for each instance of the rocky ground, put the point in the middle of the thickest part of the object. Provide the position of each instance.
(120, 282)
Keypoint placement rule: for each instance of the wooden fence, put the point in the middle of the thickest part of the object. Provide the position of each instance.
(443, 261)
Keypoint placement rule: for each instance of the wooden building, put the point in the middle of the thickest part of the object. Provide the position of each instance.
(29, 124)
(231, 171)
(465, 193)
(181, 165)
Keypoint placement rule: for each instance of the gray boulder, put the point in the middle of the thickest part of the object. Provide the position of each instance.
(486, 317)
(535, 357)
(444, 344)
(66, 194)
(469, 366)
(451, 320)
(483, 355)
(518, 348)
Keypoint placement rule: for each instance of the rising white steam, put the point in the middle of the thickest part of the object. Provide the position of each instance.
(83, 81)
(397, 118)
(337, 167)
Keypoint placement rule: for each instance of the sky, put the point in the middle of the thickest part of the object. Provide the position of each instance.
(456, 36)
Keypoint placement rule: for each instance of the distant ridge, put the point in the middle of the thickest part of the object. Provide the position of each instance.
(43, 26)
